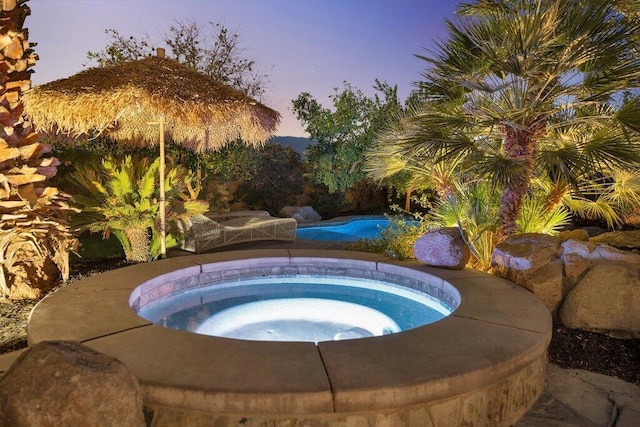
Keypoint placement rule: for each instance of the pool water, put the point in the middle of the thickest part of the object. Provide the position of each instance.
(297, 308)
(364, 228)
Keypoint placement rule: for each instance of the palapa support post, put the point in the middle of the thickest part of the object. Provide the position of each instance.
(163, 206)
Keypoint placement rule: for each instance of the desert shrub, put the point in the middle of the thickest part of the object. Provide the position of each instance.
(398, 237)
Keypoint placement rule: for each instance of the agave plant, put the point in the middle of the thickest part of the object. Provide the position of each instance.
(121, 198)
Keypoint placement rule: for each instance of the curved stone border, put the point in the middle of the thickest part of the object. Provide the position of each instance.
(482, 365)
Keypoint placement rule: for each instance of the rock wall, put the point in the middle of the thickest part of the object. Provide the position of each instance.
(585, 283)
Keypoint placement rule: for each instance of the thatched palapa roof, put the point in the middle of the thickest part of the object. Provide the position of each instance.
(122, 100)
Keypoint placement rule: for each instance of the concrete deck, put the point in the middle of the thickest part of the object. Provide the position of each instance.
(483, 365)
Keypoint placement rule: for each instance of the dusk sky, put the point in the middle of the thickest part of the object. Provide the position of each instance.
(304, 45)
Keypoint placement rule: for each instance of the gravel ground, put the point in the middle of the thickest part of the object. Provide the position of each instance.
(569, 348)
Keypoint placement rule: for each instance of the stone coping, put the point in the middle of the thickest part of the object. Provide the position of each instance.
(499, 332)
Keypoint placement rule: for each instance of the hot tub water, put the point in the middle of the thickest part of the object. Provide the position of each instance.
(297, 308)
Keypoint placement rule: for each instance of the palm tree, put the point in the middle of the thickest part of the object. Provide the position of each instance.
(35, 240)
(513, 81)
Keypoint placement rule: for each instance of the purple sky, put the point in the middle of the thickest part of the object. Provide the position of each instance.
(305, 45)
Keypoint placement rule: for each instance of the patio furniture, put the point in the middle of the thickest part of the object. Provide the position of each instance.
(203, 232)
(226, 216)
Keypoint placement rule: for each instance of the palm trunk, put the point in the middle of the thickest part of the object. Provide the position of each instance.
(139, 244)
(511, 203)
(521, 145)
(34, 219)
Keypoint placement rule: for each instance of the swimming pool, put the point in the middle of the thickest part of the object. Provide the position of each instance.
(344, 231)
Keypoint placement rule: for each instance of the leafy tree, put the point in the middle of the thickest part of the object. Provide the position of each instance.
(342, 136)
(277, 181)
(236, 161)
(121, 49)
(523, 90)
(121, 198)
(388, 163)
(212, 49)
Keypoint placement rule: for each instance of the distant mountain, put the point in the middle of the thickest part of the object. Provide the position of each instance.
(298, 143)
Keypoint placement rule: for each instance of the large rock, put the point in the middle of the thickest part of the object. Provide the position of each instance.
(606, 300)
(531, 261)
(67, 383)
(589, 285)
(523, 253)
(577, 247)
(575, 266)
(546, 283)
(442, 247)
(620, 239)
(577, 234)
(594, 251)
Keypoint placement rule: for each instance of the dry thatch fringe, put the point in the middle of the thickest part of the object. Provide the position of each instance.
(122, 100)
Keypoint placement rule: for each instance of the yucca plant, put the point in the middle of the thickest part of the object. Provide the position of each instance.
(121, 198)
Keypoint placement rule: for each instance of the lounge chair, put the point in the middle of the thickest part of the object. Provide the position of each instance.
(226, 216)
(202, 232)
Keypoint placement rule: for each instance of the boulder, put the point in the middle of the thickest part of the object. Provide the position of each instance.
(605, 300)
(520, 255)
(577, 247)
(289, 211)
(301, 213)
(612, 254)
(588, 285)
(574, 267)
(298, 217)
(577, 234)
(546, 284)
(620, 239)
(308, 213)
(593, 251)
(525, 251)
(443, 247)
(531, 261)
(67, 383)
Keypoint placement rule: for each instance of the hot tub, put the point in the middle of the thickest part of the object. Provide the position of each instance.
(483, 364)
